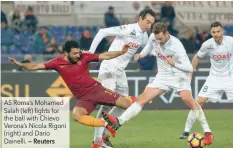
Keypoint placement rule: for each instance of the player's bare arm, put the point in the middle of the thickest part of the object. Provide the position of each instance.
(28, 66)
(195, 61)
(113, 54)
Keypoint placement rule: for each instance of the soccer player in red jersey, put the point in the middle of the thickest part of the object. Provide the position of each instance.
(73, 68)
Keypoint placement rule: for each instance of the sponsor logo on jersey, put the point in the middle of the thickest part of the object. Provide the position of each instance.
(162, 56)
(222, 57)
(133, 45)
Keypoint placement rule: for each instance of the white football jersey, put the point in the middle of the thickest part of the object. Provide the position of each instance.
(130, 34)
(172, 48)
(221, 56)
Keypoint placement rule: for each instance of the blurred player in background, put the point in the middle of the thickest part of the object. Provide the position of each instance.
(73, 68)
(220, 80)
(174, 70)
(112, 72)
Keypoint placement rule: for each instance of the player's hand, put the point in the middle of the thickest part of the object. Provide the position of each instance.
(137, 57)
(125, 48)
(13, 61)
(170, 61)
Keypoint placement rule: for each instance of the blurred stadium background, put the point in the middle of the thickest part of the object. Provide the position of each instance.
(35, 31)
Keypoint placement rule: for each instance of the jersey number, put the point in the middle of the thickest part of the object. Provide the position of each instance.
(205, 89)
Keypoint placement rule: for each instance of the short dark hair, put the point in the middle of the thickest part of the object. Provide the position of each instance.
(70, 44)
(110, 8)
(216, 24)
(146, 11)
(159, 27)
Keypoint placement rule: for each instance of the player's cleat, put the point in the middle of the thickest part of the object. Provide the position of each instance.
(101, 143)
(108, 143)
(208, 138)
(111, 130)
(184, 135)
(113, 121)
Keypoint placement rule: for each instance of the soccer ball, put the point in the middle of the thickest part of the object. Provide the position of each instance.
(196, 140)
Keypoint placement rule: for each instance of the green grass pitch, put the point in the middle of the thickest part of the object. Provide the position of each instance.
(159, 129)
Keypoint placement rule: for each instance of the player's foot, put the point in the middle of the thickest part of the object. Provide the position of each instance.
(208, 138)
(108, 143)
(111, 130)
(113, 121)
(184, 135)
(101, 143)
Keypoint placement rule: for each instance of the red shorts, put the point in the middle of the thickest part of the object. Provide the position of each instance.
(98, 95)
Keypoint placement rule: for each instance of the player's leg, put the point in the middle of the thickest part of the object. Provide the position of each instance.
(123, 89)
(81, 114)
(148, 95)
(191, 119)
(109, 83)
(197, 113)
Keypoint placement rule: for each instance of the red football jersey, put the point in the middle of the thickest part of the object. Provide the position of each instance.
(76, 76)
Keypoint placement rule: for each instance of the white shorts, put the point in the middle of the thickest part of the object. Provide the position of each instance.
(214, 88)
(114, 80)
(167, 83)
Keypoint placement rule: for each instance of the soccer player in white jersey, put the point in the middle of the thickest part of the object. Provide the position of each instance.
(220, 50)
(112, 72)
(174, 70)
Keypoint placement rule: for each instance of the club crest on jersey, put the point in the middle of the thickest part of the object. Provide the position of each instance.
(133, 45)
(222, 57)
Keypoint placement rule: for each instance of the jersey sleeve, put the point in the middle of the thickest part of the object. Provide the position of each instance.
(148, 48)
(51, 64)
(89, 57)
(181, 58)
(112, 31)
(203, 50)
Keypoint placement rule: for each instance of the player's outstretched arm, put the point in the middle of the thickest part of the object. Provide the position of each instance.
(113, 54)
(102, 33)
(28, 66)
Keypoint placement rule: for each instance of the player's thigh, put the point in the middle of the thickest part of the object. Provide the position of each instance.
(149, 94)
(211, 90)
(122, 85)
(159, 82)
(83, 107)
(202, 100)
(103, 96)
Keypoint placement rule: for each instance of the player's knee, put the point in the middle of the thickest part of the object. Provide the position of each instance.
(201, 101)
(77, 114)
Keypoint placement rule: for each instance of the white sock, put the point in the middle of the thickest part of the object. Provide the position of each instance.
(99, 130)
(115, 111)
(202, 119)
(132, 111)
(190, 121)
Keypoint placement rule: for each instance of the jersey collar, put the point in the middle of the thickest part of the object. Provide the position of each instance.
(138, 29)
